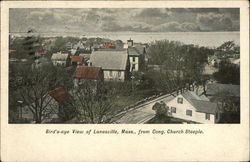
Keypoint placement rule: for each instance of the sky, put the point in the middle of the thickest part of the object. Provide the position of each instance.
(127, 19)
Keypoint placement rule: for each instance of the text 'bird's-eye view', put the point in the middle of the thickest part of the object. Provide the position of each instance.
(124, 65)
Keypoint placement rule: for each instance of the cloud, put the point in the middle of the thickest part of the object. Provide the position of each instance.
(213, 21)
(124, 19)
(176, 27)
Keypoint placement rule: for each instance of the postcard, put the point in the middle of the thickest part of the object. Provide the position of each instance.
(125, 81)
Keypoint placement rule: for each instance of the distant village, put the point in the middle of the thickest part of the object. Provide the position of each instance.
(99, 80)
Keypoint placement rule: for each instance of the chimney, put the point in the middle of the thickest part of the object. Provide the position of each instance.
(90, 64)
(130, 43)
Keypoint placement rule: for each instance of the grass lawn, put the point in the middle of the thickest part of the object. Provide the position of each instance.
(122, 101)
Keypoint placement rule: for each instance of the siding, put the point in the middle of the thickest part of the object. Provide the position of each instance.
(181, 111)
(114, 76)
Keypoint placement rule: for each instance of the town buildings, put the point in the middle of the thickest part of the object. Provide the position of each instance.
(89, 75)
(136, 58)
(76, 60)
(215, 88)
(62, 59)
(115, 64)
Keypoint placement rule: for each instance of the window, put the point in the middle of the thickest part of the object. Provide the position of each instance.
(119, 74)
(133, 67)
(173, 109)
(133, 59)
(207, 116)
(110, 73)
(189, 112)
(180, 100)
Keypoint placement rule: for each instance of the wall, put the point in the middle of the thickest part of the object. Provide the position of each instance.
(114, 76)
(181, 111)
(55, 63)
(136, 63)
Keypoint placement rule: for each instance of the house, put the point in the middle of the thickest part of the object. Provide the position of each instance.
(115, 64)
(191, 107)
(136, 57)
(86, 58)
(84, 74)
(40, 53)
(61, 59)
(76, 60)
(55, 101)
(231, 90)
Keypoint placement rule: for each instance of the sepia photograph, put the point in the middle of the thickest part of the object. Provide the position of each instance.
(124, 65)
(101, 81)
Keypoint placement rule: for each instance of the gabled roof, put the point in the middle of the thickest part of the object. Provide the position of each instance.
(110, 60)
(76, 58)
(213, 88)
(59, 94)
(87, 72)
(60, 56)
(201, 104)
(137, 50)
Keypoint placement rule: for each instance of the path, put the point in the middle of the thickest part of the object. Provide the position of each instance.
(142, 113)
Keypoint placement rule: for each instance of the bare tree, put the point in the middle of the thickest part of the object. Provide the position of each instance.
(34, 89)
(93, 102)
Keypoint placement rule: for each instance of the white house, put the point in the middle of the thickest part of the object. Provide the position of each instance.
(59, 58)
(115, 64)
(136, 57)
(188, 106)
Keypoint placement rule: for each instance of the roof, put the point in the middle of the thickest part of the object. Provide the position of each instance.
(12, 51)
(41, 52)
(59, 94)
(76, 58)
(213, 88)
(111, 60)
(137, 50)
(60, 56)
(201, 104)
(87, 72)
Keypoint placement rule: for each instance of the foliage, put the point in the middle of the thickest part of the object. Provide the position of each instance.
(228, 73)
(228, 106)
(161, 109)
(180, 63)
(229, 47)
(25, 47)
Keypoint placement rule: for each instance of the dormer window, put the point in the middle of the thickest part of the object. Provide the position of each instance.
(180, 100)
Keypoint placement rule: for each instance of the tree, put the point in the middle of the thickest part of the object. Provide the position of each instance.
(93, 105)
(34, 86)
(161, 109)
(228, 106)
(182, 63)
(228, 73)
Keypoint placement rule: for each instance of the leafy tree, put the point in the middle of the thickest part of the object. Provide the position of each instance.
(228, 106)
(182, 63)
(228, 73)
(161, 109)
